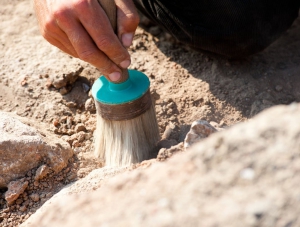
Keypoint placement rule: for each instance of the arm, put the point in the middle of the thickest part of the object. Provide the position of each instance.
(81, 29)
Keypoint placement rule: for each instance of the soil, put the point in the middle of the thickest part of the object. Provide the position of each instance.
(39, 82)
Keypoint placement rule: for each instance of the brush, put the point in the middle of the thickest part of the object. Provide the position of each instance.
(127, 129)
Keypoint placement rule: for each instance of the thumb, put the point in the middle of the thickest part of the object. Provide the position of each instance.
(127, 21)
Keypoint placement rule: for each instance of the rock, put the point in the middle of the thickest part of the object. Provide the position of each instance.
(168, 131)
(80, 136)
(23, 208)
(199, 130)
(90, 105)
(246, 175)
(41, 172)
(35, 197)
(71, 104)
(14, 190)
(67, 78)
(23, 148)
(80, 127)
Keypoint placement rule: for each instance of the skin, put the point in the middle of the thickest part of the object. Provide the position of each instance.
(81, 29)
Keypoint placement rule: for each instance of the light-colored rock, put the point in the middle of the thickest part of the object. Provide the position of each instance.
(41, 172)
(35, 197)
(64, 79)
(200, 129)
(23, 148)
(14, 190)
(247, 175)
(90, 105)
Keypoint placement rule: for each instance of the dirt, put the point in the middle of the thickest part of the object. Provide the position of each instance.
(40, 82)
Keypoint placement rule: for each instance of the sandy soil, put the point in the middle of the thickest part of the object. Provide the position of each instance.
(187, 85)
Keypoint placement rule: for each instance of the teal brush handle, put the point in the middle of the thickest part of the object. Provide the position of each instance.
(132, 89)
(129, 97)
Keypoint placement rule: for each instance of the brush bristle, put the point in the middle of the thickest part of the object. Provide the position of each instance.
(121, 143)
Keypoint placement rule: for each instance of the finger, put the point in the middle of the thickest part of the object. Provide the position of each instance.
(64, 40)
(85, 47)
(50, 29)
(98, 26)
(61, 46)
(128, 20)
(53, 34)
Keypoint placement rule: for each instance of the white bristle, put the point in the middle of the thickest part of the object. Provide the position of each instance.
(121, 143)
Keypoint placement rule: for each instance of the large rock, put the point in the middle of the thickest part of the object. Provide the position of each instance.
(23, 148)
(247, 175)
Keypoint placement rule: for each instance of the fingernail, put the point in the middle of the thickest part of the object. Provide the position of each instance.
(115, 76)
(127, 39)
(125, 64)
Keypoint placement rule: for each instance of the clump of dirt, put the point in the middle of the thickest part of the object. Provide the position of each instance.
(39, 191)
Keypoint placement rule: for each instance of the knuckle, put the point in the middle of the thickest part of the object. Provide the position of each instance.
(88, 55)
(60, 13)
(80, 4)
(49, 25)
(106, 68)
(104, 42)
(119, 58)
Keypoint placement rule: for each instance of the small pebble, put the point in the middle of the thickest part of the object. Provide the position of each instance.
(85, 88)
(41, 172)
(71, 104)
(89, 105)
(23, 208)
(80, 127)
(35, 197)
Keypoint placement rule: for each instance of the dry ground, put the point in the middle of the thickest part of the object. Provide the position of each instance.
(187, 85)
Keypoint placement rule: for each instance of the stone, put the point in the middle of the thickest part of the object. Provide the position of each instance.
(80, 136)
(35, 197)
(14, 190)
(246, 175)
(80, 127)
(41, 172)
(200, 129)
(90, 105)
(66, 78)
(23, 208)
(23, 148)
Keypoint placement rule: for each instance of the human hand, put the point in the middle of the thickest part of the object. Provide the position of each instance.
(82, 29)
